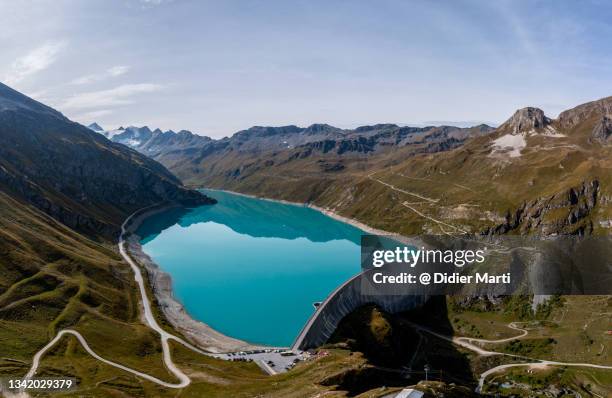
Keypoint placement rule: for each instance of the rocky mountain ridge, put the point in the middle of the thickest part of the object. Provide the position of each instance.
(188, 154)
(151, 142)
(260, 138)
(582, 113)
(533, 174)
(73, 174)
(533, 120)
(527, 168)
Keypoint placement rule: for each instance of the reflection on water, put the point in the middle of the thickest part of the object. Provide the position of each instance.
(255, 217)
(252, 268)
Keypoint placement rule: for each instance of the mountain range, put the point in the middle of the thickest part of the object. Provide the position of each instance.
(192, 156)
(65, 189)
(531, 174)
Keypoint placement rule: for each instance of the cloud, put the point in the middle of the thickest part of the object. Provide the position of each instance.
(38, 95)
(151, 4)
(522, 30)
(89, 117)
(147, 4)
(111, 72)
(155, 2)
(33, 62)
(121, 95)
(118, 70)
(84, 79)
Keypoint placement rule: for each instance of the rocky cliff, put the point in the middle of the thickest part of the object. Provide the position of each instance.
(602, 132)
(580, 114)
(526, 120)
(566, 212)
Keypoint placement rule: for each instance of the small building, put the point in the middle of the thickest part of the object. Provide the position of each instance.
(409, 393)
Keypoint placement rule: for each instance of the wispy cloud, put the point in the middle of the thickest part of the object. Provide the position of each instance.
(155, 2)
(111, 72)
(84, 79)
(144, 4)
(121, 95)
(524, 32)
(33, 62)
(38, 95)
(118, 70)
(92, 116)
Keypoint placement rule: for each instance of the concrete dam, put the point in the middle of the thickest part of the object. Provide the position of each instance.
(349, 296)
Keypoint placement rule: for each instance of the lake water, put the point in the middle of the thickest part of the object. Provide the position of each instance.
(252, 268)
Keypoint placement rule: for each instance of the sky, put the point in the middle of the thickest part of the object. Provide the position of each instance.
(217, 67)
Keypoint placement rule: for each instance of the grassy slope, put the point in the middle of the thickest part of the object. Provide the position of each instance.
(473, 188)
(577, 324)
(210, 377)
(52, 278)
(588, 382)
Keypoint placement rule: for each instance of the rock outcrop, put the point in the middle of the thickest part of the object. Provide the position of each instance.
(581, 113)
(564, 213)
(602, 132)
(526, 120)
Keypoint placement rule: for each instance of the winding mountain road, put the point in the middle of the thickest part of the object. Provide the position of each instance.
(538, 364)
(406, 204)
(511, 325)
(35, 362)
(184, 380)
(425, 199)
(393, 187)
(466, 342)
(148, 312)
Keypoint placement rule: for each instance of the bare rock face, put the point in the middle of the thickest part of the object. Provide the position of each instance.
(599, 108)
(564, 213)
(602, 132)
(525, 120)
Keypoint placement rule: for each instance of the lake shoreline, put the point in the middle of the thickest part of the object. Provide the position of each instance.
(160, 282)
(328, 212)
(412, 241)
(198, 332)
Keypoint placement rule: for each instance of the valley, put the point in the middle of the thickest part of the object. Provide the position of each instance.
(531, 175)
(66, 291)
(71, 304)
(307, 199)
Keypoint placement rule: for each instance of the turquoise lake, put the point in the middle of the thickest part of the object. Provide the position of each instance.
(252, 268)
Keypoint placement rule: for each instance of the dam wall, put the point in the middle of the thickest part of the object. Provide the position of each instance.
(345, 299)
